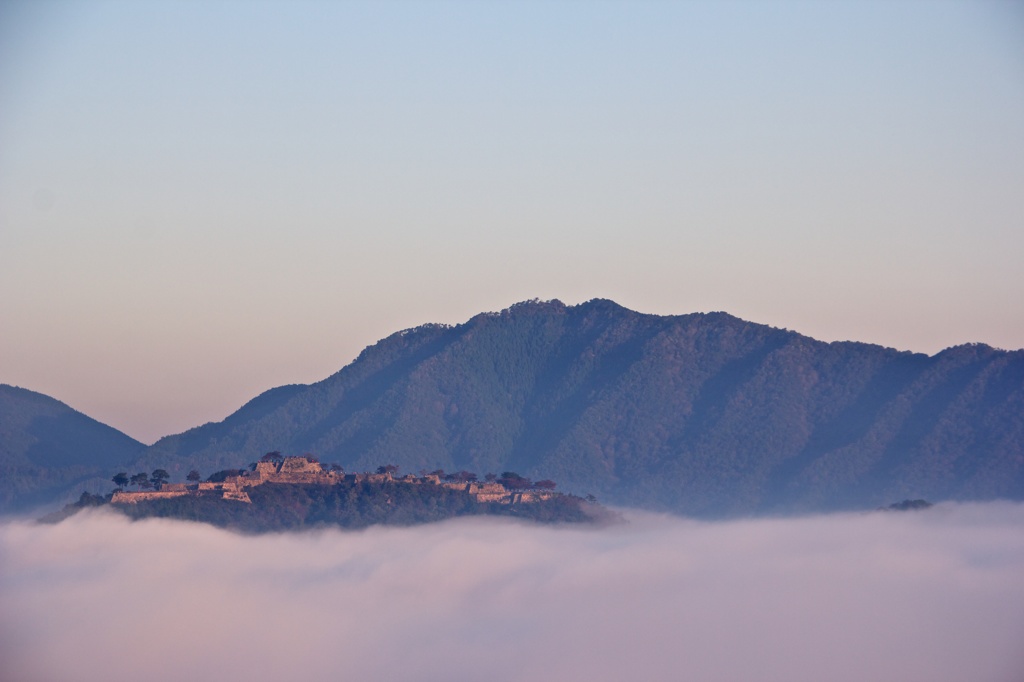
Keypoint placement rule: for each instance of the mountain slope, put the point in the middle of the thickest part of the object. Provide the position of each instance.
(47, 449)
(702, 413)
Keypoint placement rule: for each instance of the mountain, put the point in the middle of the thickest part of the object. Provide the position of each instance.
(47, 449)
(702, 414)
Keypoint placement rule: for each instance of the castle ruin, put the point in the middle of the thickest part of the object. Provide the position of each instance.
(306, 470)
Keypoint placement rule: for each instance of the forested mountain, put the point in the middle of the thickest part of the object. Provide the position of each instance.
(703, 414)
(48, 449)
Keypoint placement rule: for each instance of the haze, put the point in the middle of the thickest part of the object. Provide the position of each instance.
(200, 201)
(934, 596)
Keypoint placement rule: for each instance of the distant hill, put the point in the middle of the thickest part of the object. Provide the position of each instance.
(702, 414)
(48, 450)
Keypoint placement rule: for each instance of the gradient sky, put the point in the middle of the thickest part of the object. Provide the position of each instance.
(202, 200)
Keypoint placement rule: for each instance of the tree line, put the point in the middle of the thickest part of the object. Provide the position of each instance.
(153, 481)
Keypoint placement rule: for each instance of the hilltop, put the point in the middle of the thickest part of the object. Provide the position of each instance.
(293, 493)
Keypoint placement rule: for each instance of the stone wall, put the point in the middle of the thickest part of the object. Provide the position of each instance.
(526, 498)
(504, 498)
(237, 495)
(299, 465)
(124, 497)
(488, 488)
(321, 478)
(264, 469)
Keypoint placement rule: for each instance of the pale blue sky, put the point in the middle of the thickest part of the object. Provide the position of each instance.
(202, 200)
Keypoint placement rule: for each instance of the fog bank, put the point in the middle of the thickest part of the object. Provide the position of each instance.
(936, 595)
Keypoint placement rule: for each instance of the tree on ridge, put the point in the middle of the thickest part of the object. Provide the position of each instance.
(273, 456)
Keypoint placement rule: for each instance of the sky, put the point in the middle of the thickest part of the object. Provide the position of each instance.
(203, 200)
(935, 596)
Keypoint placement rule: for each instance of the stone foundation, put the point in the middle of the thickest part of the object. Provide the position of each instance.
(123, 497)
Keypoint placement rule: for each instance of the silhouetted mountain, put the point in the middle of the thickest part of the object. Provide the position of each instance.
(701, 414)
(48, 450)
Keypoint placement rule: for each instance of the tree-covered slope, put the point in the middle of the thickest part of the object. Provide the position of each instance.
(702, 413)
(48, 449)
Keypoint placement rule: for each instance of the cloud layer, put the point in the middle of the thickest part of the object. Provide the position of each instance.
(923, 596)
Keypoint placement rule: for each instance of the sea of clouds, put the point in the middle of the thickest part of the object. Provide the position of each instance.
(930, 596)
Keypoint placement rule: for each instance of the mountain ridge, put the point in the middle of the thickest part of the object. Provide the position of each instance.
(708, 413)
(700, 413)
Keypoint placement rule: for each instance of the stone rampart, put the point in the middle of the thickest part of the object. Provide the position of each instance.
(296, 465)
(528, 497)
(125, 497)
(237, 495)
(503, 498)
(302, 477)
